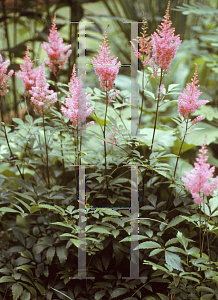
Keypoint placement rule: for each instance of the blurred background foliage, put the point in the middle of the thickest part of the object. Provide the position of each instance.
(23, 21)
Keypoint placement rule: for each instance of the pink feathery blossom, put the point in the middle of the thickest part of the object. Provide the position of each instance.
(56, 49)
(3, 76)
(76, 104)
(165, 43)
(196, 120)
(42, 98)
(27, 74)
(106, 67)
(188, 100)
(197, 180)
(144, 45)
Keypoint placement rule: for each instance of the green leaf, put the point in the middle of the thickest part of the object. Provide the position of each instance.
(148, 245)
(149, 94)
(191, 278)
(99, 230)
(31, 289)
(4, 279)
(27, 270)
(173, 87)
(155, 251)
(40, 288)
(175, 221)
(207, 297)
(163, 297)
(34, 208)
(8, 209)
(196, 137)
(99, 294)
(62, 253)
(62, 293)
(17, 290)
(18, 121)
(182, 239)
(133, 238)
(50, 254)
(25, 295)
(173, 260)
(118, 292)
(115, 232)
(110, 212)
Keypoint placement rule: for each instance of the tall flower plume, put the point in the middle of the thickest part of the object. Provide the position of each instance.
(144, 41)
(3, 76)
(56, 49)
(76, 104)
(197, 180)
(27, 74)
(106, 67)
(42, 98)
(188, 100)
(164, 44)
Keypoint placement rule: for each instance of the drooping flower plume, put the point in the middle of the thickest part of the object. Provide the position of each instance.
(144, 45)
(42, 98)
(197, 180)
(27, 74)
(77, 103)
(188, 100)
(56, 49)
(164, 44)
(106, 67)
(3, 76)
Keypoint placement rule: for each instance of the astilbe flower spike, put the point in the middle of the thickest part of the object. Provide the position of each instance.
(188, 100)
(42, 98)
(106, 67)
(76, 104)
(56, 49)
(3, 76)
(197, 180)
(27, 74)
(164, 45)
(144, 45)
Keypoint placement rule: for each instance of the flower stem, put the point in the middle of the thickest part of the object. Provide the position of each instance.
(158, 99)
(142, 97)
(178, 156)
(6, 137)
(105, 150)
(46, 149)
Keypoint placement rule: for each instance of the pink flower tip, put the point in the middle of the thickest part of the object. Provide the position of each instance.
(56, 50)
(199, 180)
(188, 100)
(4, 77)
(165, 43)
(106, 67)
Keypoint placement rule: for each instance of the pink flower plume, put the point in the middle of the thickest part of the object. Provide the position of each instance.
(106, 67)
(56, 49)
(75, 105)
(165, 43)
(144, 45)
(42, 98)
(27, 74)
(188, 100)
(3, 76)
(197, 180)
